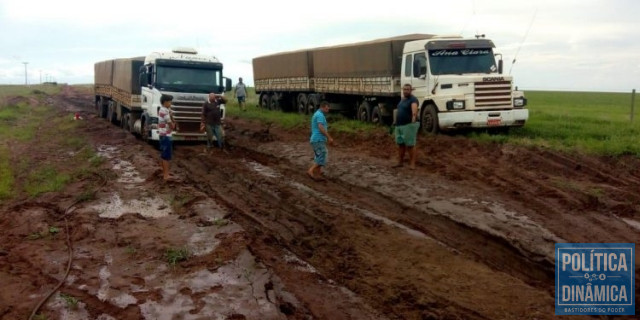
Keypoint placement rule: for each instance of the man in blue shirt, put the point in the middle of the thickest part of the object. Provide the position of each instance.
(319, 138)
(407, 126)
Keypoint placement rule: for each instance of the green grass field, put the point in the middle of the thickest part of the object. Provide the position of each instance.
(588, 122)
(30, 124)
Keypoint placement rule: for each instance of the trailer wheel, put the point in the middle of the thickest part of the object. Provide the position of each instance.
(111, 113)
(312, 104)
(376, 116)
(274, 103)
(302, 103)
(102, 110)
(364, 112)
(264, 100)
(429, 119)
(125, 122)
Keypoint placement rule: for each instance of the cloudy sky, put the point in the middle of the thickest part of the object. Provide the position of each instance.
(583, 45)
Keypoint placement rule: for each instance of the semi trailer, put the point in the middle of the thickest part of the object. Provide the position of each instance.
(128, 90)
(458, 81)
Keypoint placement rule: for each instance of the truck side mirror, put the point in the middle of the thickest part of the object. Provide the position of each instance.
(227, 84)
(500, 64)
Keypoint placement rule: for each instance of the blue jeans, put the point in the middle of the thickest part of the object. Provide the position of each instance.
(214, 130)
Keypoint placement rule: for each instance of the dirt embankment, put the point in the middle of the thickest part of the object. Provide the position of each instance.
(469, 234)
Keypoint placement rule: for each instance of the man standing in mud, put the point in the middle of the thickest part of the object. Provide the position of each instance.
(319, 137)
(166, 125)
(240, 92)
(407, 127)
(212, 119)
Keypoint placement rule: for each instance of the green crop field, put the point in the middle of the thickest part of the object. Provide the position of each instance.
(588, 122)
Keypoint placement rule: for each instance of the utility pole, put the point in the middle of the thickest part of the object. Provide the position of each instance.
(40, 76)
(25, 73)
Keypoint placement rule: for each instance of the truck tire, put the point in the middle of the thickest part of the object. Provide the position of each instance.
(98, 110)
(146, 131)
(102, 110)
(302, 103)
(111, 113)
(312, 104)
(264, 100)
(124, 122)
(274, 103)
(429, 119)
(364, 112)
(376, 116)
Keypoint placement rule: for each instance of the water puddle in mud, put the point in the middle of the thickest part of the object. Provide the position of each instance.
(114, 207)
(632, 223)
(243, 281)
(262, 170)
(127, 173)
(299, 264)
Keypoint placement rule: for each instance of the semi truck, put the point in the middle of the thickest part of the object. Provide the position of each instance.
(458, 81)
(128, 90)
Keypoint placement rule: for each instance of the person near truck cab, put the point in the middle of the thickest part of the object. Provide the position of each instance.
(407, 126)
(319, 138)
(212, 119)
(240, 92)
(166, 125)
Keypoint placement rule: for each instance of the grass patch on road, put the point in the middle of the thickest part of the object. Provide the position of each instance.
(175, 255)
(6, 174)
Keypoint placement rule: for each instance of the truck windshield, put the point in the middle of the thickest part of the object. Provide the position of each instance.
(194, 80)
(461, 61)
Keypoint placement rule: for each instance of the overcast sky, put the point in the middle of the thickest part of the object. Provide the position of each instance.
(584, 45)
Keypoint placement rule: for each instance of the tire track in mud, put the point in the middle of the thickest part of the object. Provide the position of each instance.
(342, 242)
(565, 193)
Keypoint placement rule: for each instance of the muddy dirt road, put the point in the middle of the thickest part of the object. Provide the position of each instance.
(469, 234)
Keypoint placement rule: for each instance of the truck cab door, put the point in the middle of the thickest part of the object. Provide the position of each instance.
(415, 73)
(146, 82)
(419, 78)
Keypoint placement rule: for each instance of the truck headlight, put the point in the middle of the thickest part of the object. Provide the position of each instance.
(455, 105)
(519, 102)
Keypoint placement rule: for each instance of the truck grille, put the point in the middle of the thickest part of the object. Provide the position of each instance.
(493, 94)
(187, 114)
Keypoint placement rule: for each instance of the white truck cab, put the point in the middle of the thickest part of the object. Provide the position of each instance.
(189, 78)
(459, 85)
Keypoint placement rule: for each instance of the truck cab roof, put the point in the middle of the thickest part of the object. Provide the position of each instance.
(183, 55)
(449, 42)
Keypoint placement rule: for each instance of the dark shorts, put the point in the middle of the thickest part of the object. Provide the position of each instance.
(166, 148)
(320, 153)
(241, 99)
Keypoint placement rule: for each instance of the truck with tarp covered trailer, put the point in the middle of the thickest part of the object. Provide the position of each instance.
(458, 81)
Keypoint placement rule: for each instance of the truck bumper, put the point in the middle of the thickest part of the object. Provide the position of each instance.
(483, 119)
(181, 136)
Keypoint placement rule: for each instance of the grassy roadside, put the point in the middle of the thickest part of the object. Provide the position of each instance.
(588, 122)
(40, 148)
